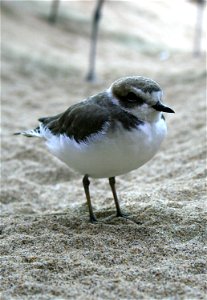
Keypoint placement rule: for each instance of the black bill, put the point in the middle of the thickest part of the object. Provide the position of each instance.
(161, 107)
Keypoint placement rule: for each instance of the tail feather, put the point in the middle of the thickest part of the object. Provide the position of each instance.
(30, 133)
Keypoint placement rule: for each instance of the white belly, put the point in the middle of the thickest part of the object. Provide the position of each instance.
(110, 154)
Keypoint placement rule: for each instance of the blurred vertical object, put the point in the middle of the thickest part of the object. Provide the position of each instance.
(198, 27)
(94, 33)
(94, 36)
(54, 11)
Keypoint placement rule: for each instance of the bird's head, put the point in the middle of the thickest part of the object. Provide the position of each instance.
(140, 96)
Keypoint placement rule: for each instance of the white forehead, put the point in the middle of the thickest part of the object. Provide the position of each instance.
(157, 95)
(151, 98)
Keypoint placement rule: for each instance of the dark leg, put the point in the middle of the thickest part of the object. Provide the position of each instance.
(86, 184)
(113, 189)
(94, 35)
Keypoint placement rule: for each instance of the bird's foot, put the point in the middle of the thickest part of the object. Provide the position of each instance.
(127, 216)
(93, 220)
(120, 214)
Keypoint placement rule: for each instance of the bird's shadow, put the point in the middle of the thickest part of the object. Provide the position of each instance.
(109, 217)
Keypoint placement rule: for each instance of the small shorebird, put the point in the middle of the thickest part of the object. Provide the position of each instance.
(108, 134)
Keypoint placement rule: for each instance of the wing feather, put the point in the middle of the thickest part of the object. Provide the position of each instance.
(78, 121)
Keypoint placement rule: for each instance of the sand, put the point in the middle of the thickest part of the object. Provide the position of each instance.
(49, 250)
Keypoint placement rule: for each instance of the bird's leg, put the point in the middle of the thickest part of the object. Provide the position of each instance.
(94, 35)
(113, 189)
(86, 184)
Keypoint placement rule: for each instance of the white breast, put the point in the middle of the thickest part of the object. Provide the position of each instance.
(108, 153)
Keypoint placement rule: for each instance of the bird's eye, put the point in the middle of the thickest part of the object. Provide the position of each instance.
(133, 98)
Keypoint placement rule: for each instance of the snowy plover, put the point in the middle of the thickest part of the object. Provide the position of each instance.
(109, 134)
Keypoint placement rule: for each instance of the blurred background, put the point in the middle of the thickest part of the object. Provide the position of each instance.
(45, 57)
(134, 37)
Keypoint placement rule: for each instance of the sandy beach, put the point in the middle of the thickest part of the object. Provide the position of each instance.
(49, 250)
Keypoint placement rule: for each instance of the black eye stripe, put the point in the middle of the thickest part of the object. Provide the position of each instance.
(133, 98)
